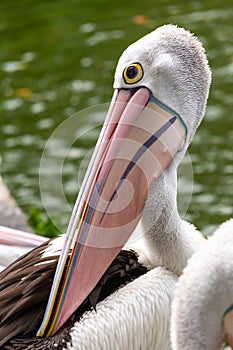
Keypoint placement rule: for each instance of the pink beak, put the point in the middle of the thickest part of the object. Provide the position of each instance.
(13, 237)
(139, 139)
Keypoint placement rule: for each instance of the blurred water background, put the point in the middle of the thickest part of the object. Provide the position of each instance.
(58, 57)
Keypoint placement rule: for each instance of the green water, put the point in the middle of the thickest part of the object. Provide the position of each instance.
(58, 57)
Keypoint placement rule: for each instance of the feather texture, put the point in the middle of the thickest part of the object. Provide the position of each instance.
(25, 287)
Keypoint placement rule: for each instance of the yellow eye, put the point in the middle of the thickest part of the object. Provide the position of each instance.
(133, 73)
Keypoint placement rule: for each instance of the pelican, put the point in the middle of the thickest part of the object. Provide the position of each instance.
(202, 316)
(14, 243)
(103, 297)
(10, 214)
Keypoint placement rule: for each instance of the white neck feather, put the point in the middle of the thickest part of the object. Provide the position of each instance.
(169, 241)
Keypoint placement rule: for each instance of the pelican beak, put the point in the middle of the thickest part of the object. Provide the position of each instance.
(139, 139)
(13, 237)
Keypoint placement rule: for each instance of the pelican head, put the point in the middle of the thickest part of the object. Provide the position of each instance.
(174, 68)
(161, 87)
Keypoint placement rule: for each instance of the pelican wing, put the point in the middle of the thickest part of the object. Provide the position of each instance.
(24, 291)
(25, 287)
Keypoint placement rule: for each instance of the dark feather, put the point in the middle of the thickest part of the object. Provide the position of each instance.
(24, 291)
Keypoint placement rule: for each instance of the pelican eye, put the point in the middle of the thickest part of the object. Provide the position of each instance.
(133, 73)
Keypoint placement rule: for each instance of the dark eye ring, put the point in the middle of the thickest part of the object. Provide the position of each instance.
(133, 73)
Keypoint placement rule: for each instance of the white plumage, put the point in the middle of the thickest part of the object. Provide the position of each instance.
(204, 293)
(135, 317)
(9, 254)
